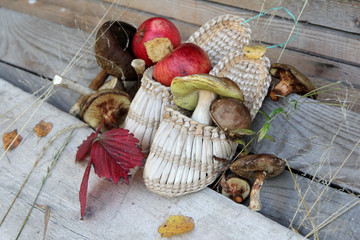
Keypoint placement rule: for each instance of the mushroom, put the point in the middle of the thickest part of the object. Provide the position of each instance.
(291, 81)
(230, 114)
(113, 52)
(258, 167)
(234, 187)
(196, 92)
(108, 105)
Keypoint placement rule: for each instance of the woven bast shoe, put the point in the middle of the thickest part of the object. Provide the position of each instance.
(222, 35)
(218, 37)
(251, 75)
(181, 157)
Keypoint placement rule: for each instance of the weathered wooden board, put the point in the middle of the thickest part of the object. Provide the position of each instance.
(340, 14)
(130, 210)
(67, 41)
(114, 211)
(312, 39)
(316, 139)
(32, 83)
(44, 49)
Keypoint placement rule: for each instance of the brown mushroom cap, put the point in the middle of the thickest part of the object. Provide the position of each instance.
(230, 114)
(248, 166)
(113, 49)
(108, 105)
(291, 80)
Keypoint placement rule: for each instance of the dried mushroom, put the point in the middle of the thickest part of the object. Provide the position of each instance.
(291, 81)
(258, 167)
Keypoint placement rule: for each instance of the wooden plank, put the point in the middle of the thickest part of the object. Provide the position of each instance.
(340, 14)
(317, 139)
(282, 203)
(320, 70)
(312, 39)
(47, 50)
(29, 82)
(114, 210)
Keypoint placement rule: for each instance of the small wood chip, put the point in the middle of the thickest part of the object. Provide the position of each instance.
(9, 137)
(43, 128)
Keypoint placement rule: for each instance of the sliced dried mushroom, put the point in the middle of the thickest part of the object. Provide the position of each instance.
(110, 106)
(291, 81)
(230, 114)
(258, 167)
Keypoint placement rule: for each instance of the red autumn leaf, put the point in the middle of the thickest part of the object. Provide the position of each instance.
(83, 189)
(113, 154)
(85, 147)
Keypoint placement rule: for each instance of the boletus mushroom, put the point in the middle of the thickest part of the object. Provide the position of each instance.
(258, 167)
(113, 52)
(230, 114)
(291, 81)
(196, 93)
(234, 187)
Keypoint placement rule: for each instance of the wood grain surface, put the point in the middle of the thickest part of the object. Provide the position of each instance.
(52, 53)
(114, 210)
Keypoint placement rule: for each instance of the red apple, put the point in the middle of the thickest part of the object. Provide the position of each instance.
(187, 59)
(154, 39)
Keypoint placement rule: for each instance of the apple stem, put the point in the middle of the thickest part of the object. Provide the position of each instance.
(201, 113)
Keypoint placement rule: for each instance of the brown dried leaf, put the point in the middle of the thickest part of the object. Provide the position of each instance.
(9, 137)
(42, 129)
(176, 224)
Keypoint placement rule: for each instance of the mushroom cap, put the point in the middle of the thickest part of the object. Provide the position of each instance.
(299, 82)
(113, 49)
(184, 89)
(230, 114)
(248, 166)
(110, 105)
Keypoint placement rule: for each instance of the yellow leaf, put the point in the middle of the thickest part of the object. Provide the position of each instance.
(254, 52)
(43, 128)
(9, 137)
(176, 224)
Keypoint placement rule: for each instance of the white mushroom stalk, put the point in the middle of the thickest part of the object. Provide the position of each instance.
(201, 113)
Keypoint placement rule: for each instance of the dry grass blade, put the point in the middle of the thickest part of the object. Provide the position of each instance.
(46, 217)
(36, 163)
(302, 198)
(53, 163)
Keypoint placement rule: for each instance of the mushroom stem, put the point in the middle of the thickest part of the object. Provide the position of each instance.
(201, 113)
(71, 85)
(255, 202)
(139, 66)
(99, 80)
